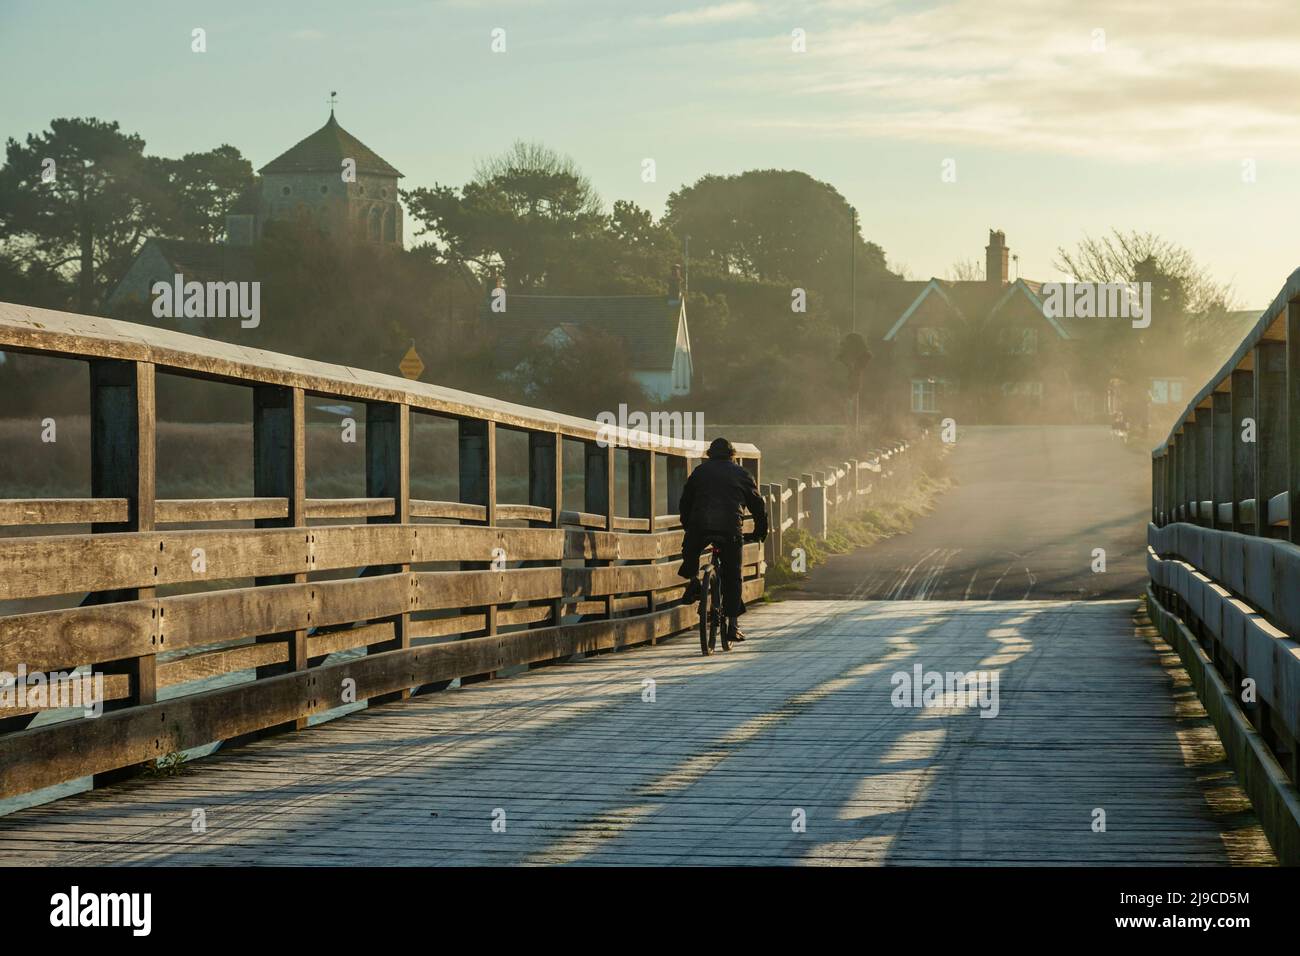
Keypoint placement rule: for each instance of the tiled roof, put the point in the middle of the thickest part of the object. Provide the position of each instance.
(646, 324)
(324, 151)
(207, 260)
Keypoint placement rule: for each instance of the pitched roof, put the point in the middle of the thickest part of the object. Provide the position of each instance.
(646, 324)
(207, 260)
(324, 151)
(971, 299)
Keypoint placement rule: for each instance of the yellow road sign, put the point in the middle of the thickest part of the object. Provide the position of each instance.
(412, 365)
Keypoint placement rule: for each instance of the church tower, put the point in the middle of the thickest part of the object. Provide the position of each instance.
(357, 199)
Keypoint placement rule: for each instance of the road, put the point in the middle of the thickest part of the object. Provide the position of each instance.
(1030, 505)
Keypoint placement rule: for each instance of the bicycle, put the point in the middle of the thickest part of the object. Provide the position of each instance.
(712, 617)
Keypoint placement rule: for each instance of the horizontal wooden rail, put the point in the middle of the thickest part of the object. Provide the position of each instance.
(428, 591)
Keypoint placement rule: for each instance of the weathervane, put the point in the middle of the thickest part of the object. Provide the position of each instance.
(333, 99)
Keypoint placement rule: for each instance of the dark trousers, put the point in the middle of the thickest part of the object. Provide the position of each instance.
(729, 554)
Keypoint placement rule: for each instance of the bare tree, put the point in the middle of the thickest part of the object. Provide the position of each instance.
(966, 270)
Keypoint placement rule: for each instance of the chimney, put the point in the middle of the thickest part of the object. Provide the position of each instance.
(996, 255)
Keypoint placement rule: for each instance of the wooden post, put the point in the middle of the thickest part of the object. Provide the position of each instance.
(1204, 465)
(388, 475)
(280, 471)
(776, 518)
(477, 442)
(123, 424)
(1243, 454)
(1292, 418)
(1270, 424)
(598, 495)
(546, 488)
(816, 495)
(1180, 485)
(796, 502)
(1221, 457)
(641, 499)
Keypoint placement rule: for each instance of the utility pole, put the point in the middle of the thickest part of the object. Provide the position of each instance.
(853, 267)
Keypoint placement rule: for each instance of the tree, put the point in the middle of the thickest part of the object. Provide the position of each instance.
(81, 193)
(521, 213)
(775, 225)
(200, 190)
(966, 270)
(1190, 309)
(584, 376)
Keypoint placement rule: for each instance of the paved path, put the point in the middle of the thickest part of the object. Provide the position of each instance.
(731, 750)
(1029, 506)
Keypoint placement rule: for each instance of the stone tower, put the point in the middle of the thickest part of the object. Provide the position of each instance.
(309, 177)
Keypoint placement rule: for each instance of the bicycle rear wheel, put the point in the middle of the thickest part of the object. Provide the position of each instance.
(706, 600)
(715, 610)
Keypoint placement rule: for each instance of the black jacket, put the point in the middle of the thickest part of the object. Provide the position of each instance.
(716, 494)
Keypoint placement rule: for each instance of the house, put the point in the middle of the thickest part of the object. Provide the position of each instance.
(651, 328)
(978, 349)
(330, 176)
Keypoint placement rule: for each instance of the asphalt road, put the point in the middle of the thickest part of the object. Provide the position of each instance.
(1029, 505)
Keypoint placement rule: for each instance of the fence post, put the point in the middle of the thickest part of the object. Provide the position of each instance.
(546, 488)
(1204, 464)
(1293, 420)
(641, 500)
(478, 485)
(1243, 455)
(1270, 429)
(388, 475)
(796, 502)
(1221, 456)
(776, 518)
(816, 492)
(123, 424)
(598, 495)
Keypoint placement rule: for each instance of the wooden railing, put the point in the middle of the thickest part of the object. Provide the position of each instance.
(421, 592)
(1225, 570)
(813, 500)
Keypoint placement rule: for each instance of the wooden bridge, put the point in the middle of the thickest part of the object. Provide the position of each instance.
(260, 621)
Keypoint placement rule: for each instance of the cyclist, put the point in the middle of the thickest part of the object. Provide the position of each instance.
(712, 510)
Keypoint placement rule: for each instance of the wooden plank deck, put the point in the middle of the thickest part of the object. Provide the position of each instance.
(710, 772)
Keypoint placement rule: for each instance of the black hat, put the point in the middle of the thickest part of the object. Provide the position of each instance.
(721, 448)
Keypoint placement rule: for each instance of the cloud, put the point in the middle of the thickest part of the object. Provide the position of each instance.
(1117, 79)
(718, 13)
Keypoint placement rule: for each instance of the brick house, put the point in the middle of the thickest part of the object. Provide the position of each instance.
(980, 350)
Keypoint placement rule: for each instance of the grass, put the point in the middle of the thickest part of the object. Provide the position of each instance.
(923, 479)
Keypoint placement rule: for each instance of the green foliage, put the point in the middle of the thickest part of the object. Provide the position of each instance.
(771, 224)
(580, 378)
(91, 214)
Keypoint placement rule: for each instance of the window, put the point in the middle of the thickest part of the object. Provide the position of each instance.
(324, 190)
(1019, 341)
(1166, 391)
(930, 341)
(925, 394)
(285, 190)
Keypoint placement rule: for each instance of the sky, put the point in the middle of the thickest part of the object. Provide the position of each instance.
(1060, 118)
